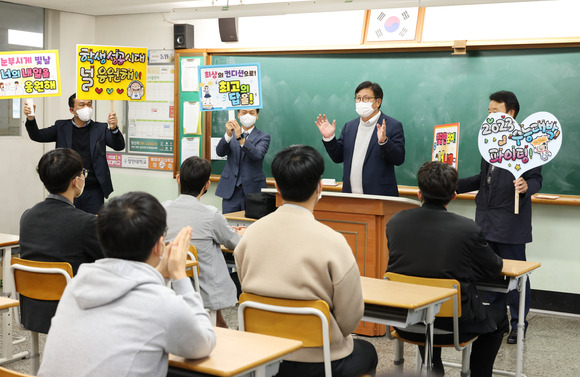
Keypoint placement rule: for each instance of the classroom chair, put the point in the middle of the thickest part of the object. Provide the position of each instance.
(10, 373)
(193, 272)
(449, 308)
(307, 321)
(40, 281)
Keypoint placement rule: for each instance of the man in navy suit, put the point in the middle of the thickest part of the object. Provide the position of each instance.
(245, 148)
(90, 140)
(370, 146)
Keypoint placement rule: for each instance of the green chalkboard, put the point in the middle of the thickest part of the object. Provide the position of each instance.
(421, 89)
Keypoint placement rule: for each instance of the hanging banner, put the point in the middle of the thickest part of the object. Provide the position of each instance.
(230, 87)
(446, 144)
(25, 74)
(111, 73)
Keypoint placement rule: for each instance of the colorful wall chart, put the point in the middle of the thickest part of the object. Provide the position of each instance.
(25, 74)
(111, 73)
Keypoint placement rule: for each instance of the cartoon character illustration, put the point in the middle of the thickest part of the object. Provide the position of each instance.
(2, 89)
(541, 147)
(18, 90)
(136, 89)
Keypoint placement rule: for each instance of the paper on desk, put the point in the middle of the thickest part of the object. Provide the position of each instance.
(214, 143)
(189, 75)
(189, 147)
(191, 118)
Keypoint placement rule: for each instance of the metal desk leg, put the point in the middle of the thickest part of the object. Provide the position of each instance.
(427, 362)
(521, 324)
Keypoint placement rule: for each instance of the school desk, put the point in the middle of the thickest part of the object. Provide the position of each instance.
(400, 304)
(6, 304)
(237, 353)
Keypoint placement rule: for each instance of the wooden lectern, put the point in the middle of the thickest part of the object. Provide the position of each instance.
(362, 219)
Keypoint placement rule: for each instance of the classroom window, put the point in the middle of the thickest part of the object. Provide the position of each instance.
(21, 29)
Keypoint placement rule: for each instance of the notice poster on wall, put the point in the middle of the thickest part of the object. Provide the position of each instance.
(111, 73)
(446, 144)
(230, 87)
(28, 74)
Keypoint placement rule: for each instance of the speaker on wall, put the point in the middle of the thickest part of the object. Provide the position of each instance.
(228, 29)
(182, 36)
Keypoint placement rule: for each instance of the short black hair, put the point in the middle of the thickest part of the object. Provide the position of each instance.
(376, 88)
(130, 225)
(510, 100)
(57, 168)
(71, 100)
(437, 182)
(257, 110)
(297, 170)
(193, 175)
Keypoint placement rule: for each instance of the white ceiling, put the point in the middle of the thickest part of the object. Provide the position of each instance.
(120, 7)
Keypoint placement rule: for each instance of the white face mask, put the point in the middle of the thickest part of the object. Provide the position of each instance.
(248, 120)
(82, 189)
(364, 109)
(85, 114)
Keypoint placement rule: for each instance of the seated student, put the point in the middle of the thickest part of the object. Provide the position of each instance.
(117, 317)
(55, 231)
(430, 242)
(210, 230)
(289, 254)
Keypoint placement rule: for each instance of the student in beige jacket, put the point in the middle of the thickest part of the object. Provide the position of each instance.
(289, 254)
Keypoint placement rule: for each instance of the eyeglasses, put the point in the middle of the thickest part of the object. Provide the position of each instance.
(85, 172)
(364, 99)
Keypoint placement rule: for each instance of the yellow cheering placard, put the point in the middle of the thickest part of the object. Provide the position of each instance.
(111, 73)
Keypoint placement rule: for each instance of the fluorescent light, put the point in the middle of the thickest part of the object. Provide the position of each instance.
(25, 38)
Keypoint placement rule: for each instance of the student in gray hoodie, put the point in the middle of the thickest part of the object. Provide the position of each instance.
(117, 317)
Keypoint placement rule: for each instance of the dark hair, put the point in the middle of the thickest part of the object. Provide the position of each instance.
(57, 168)
(510, 100)
(297, 170)
(376, 88)
(437, 182)
(257, 110)
(193, 175)
(130, 225)
(71, 100)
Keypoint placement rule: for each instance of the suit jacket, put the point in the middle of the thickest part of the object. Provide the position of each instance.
(380, 160)
(246, 160)
(55, 231)
(495, 204)
(289, 254)
(100, 137)
(430, 242)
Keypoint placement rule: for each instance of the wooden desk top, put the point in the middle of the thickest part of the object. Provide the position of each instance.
(401, 295)
(8, 239)
(515, 268)
(6, 303)
(238, 216)
(236, 352)
(226, 250)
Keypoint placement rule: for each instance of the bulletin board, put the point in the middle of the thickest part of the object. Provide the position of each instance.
(189, 131)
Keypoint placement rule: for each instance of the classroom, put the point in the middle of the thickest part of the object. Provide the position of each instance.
(326, 33)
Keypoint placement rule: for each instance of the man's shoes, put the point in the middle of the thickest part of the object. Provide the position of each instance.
(513, 337)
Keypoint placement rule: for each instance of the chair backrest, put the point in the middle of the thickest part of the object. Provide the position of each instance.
(306, 321)
(192, 255)
(10, 373)
(447, 306)
(284, 318)
(40, 280)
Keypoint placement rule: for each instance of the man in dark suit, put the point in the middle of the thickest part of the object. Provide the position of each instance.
(55, 231)
(90, 140)
(245, 148)
(370, 146)
(506, 232)
(430, 242)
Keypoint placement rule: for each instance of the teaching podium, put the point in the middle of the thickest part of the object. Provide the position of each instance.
(362, 220)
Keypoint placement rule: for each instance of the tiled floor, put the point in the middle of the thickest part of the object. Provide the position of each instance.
(552, 348)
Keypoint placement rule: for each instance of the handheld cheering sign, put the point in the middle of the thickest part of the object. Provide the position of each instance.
(518, 148)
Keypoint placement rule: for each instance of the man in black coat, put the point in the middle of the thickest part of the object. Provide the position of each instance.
(55, 231)
(90, 139)
(431, 242)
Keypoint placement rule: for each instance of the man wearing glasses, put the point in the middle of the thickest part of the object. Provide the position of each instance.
(55, 231)
(370, 146)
